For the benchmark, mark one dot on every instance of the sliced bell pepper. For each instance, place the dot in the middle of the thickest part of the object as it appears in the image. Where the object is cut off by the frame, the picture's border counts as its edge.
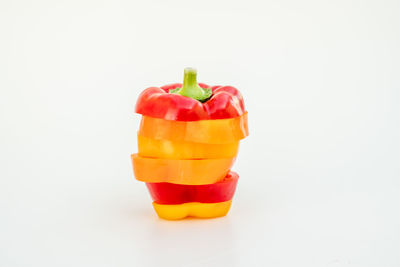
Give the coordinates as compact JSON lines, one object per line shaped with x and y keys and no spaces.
{"x":181,"y":171}
{"x":192,"y":209}
{"x":188,"y":140}
{"x":163,"y":148}
{"x":167,"y":193}
{"x":224,"y":131}
{"x":183,"y":102}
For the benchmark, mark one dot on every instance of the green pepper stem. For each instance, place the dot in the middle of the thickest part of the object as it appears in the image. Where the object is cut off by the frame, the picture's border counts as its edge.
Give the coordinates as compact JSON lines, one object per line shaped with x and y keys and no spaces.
{"x":189,"y":81}
{"x":191,"y":89}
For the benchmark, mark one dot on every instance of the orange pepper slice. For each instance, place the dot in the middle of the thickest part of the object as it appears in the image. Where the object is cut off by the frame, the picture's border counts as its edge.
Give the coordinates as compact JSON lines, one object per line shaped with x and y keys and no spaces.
{"x":162,"y":148}
{"x":192,"y":209}
{"x":223,"y":131}
{"x":181,"y":171}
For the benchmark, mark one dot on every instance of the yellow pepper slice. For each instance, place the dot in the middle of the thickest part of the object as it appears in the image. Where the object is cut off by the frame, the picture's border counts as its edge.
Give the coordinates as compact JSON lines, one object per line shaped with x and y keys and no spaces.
{"x":180,"y":171}
{"x":192,"y":209}
{"x":222,"y":131}
{"x":162,"y":148}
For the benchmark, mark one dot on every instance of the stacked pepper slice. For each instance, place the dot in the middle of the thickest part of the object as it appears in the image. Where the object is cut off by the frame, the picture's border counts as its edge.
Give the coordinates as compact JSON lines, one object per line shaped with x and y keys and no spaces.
{"x":187,"y":143}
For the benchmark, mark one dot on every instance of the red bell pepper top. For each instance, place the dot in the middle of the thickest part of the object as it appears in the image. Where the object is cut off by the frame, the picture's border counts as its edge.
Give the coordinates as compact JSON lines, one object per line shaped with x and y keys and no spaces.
{"x":159,"y":102}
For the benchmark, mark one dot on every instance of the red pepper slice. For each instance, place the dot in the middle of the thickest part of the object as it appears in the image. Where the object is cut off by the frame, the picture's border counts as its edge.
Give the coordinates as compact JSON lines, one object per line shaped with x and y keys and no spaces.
{"x":167,"y":193}
{"x":225,"y":102}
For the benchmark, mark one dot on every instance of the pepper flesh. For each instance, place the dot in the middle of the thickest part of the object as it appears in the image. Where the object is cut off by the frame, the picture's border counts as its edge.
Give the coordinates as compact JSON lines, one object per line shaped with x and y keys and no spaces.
{"x":167,"y":193}
{"x":192,"y":209}
{"x":162,"y":148}
{"x":222,"y":131}
{"x":181,"y":171}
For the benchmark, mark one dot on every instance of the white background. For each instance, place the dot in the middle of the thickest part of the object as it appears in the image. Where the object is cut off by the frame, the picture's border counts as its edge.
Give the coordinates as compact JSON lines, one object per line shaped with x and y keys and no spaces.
{"x":320,"y":175}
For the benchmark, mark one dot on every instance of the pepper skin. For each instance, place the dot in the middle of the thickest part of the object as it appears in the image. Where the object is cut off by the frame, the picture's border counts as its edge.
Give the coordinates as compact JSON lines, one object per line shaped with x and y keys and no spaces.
{"x":223,"y":131}
{"x":181,"y":171}
{"x":160,"y":102}
{"x":167,"y":193}
{"x":162,"y":148}
{"x":192,"y":209}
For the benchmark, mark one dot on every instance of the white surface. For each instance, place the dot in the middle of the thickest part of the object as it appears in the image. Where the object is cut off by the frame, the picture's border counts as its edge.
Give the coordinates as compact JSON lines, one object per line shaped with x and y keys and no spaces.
{"x":319,"y":173}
